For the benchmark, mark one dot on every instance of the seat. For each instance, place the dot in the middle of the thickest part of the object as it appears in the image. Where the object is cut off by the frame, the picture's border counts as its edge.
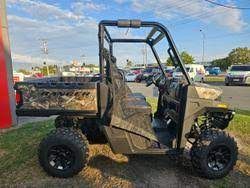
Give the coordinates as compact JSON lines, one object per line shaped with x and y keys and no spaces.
{"x":137,"y":96}
{"x":133,"y":103}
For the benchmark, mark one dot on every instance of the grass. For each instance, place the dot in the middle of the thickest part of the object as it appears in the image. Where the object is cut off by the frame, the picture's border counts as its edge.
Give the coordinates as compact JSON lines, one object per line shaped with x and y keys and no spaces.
{"x":19,"y":146}
{"x":241,"y":123}
{"x":214,"y":79}
{"x":240,"y":128}
{"x":19,"y":163}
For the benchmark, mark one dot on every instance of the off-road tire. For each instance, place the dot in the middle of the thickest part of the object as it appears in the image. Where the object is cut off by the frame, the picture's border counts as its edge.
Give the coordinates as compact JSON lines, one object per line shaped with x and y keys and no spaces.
{"x":204,"y":144}
{"x":69,"y":138}
{"x":64,"y":121}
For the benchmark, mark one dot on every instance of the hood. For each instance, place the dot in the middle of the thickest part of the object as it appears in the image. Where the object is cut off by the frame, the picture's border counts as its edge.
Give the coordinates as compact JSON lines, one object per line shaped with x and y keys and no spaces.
{"x":206,"y":91}
{"x":177,"y":74}
{"x":238,"y":73}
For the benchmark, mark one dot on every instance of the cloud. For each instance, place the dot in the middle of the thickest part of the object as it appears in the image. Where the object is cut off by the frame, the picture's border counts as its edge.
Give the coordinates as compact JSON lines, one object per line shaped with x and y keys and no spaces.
{"x":20,"y":58}
{"x":65,"y":42}
{"x":69,"y":34}
{"x":121,"y":1}
{"x":186,"y":10}
{"x":79,"y":7}
{"x":41,"y":10}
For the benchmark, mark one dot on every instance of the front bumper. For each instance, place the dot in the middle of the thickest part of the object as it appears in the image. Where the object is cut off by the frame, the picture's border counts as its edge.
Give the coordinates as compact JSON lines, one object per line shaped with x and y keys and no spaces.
{"x":238,"y":80}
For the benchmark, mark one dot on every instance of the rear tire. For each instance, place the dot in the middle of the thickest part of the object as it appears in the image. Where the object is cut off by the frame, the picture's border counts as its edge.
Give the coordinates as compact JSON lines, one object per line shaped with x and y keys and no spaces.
{"x":65,"y":121}
{"x":64,"y":152}
{"x":214,"y":154}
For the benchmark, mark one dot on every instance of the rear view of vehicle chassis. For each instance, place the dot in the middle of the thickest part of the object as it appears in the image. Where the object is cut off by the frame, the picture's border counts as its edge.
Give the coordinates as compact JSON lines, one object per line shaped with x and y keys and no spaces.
{"x":104,"y":110}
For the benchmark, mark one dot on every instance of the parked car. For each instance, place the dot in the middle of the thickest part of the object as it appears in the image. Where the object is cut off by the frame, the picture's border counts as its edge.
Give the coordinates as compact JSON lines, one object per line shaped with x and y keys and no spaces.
{"x":18,"y":77}
{"x":196,"y":72}
{"x":169,"y":71}
{"x":130,"y":77}
{"x":38,"y":75}
{"x":66,"y":74}
{"x":149,"y":71}
{"x":206,"y":72}
{"x":238,"y":74}
{"x":139,"y":77}
{"x":136,"y":70}
{"x":214,"y":70}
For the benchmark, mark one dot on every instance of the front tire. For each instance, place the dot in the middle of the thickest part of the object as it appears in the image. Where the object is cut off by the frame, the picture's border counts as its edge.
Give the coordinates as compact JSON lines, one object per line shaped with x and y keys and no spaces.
{"x":63,"y":153}
{"x":214,"y":154}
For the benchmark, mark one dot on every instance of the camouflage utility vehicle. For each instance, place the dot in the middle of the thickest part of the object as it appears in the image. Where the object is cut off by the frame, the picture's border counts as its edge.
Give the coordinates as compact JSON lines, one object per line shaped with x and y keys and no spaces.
{"x":104,"y":110}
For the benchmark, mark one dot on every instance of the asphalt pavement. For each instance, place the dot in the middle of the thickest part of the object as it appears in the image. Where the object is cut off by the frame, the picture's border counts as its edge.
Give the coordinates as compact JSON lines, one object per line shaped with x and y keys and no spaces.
{"x":237,"y":96}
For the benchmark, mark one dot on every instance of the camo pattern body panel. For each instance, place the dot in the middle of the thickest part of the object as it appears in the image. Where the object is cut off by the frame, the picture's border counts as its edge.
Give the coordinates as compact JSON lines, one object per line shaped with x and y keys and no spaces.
{"x":58,"y":98}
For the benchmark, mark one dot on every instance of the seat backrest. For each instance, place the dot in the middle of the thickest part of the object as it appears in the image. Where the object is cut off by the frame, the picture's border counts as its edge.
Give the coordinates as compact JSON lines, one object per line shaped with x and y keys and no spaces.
{"x":114,"y":76}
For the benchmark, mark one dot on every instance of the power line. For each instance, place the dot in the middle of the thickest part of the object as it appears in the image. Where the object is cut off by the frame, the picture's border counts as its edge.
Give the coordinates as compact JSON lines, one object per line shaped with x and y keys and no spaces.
{"x":227,"y":6}
{"x":198,"y":16}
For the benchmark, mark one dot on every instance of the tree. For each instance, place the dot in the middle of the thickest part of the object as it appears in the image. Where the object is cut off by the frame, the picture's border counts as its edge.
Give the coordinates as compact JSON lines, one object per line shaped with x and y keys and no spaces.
{"x":223,"y":63}
{"x":52,"y":70}
{"x":186,"y":58}
{"x":239,"y":56}
{"x":169,"y":62}
{"x":129,"y":63}
{"x":24,"y":71}
{"x":90,"y":65}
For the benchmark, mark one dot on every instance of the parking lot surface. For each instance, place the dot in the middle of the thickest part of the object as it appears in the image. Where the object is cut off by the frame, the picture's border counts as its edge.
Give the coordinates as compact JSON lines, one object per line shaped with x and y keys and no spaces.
{"x":237,"y":96}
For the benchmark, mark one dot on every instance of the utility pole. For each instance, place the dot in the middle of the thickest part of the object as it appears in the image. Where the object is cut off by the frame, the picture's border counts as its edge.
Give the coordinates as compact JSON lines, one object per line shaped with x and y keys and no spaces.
{"x":144,"y":55}
{"x":203,"y":45}
{"x":45,"y":51}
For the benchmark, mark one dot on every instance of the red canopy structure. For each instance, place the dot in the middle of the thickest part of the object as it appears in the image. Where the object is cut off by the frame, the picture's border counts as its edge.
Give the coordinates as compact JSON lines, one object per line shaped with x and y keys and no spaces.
{"x":7,"y":95}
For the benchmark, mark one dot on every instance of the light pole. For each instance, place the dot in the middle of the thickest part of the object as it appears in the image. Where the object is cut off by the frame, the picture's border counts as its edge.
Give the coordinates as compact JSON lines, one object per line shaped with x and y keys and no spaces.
{"x":203,"y":45}
{"x":46,"y":53}
{"x":83,"y":56}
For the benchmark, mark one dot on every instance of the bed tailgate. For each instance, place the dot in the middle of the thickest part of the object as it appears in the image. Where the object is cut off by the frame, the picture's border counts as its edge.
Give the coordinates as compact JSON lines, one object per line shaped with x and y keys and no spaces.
{"x":45,"y":99}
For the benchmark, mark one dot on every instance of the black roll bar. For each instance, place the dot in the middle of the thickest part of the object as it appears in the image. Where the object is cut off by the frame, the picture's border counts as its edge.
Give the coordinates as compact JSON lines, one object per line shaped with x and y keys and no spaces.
{"x":102,"y":32}
{"x":129,"y":40}
{"x":151,"y":33}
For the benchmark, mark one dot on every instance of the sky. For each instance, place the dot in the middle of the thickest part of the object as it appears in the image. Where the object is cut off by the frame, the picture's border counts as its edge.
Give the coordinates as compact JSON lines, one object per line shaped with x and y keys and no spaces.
{"x":70,"y":28}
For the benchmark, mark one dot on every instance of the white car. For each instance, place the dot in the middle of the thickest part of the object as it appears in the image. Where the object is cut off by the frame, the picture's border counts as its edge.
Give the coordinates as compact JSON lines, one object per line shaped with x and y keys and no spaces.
{"x":196,"y":72}
{"x":130,"y":77}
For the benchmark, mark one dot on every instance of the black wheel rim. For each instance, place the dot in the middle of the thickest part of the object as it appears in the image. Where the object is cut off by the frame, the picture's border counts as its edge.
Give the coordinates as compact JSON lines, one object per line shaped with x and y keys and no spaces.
{"x":61,"y":157}
{"x":219,"y":158}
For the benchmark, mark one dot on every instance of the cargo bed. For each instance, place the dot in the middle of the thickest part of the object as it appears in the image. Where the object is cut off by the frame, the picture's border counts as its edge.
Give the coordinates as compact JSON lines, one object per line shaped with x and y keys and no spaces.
{"x":58,"y":96}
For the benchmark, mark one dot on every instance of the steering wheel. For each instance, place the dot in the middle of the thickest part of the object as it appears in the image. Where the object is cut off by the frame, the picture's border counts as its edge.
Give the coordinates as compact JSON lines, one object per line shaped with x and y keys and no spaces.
{"x":153,"y":79}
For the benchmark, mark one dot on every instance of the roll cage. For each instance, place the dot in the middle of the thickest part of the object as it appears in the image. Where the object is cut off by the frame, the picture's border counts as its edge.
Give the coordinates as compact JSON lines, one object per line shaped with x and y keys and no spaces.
{"x":103,"y":34}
